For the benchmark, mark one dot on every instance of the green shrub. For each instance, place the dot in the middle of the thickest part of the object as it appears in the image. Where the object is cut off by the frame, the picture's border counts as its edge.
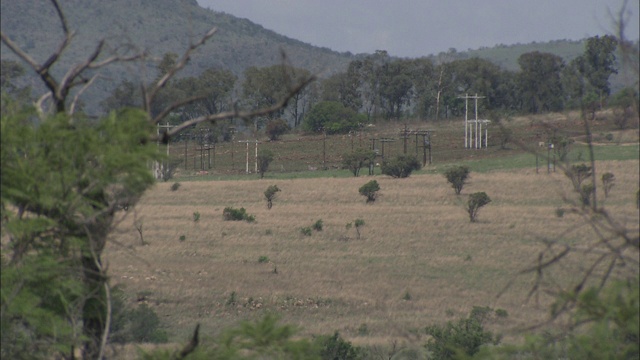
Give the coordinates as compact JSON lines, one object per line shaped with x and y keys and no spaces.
{"x":370,"y":190}
{"x":144,"y":326}
{"x":335,"y":347}
{"x":502,"y":313}
{"x":354,"y":161}
{"x":465,"y":336}
{"x":265,"y":157}
{"x":332,"y":117}
{"x":263,"y":259}
{"x":401,"y":166}
{"x":317,"y":226}
{"x":196,"y":216}
{"x":270,"y":194}
{"x":231,"y":214}
{"x":457,"y":177}
{"x":608,"y":180}
{"x":476,"y":201}
{"x":305,"y":231}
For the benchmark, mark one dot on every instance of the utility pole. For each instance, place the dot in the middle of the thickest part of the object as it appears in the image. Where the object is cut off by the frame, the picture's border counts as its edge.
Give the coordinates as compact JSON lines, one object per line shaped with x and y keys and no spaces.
{"x":469,"y":133}
{"x":247,"y":153}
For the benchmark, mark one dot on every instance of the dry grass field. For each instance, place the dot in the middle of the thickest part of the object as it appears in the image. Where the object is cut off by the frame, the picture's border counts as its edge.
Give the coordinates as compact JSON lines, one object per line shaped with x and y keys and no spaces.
{"x":419,"y":261}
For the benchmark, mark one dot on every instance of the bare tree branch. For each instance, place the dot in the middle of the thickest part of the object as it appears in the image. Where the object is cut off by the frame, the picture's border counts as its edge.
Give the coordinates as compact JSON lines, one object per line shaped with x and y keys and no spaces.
{"x":150,"y":95}
{"x":72,"y":107}
{"x":191,"y":346}
{"x":239,"y":114}
{"x":176,"y":105}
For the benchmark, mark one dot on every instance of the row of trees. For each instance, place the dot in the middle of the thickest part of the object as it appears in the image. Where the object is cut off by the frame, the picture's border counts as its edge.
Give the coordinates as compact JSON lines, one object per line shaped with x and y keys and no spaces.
{"x":381,"y":87}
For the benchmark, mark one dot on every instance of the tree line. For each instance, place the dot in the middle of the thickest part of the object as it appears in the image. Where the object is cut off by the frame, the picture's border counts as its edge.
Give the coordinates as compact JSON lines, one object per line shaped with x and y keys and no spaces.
{"x":379,"y":87}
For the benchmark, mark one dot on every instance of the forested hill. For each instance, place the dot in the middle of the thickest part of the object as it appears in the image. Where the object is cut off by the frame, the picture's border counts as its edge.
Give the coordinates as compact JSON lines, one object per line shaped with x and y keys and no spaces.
{"x":160,"y":26}
{"x":157,"y":26}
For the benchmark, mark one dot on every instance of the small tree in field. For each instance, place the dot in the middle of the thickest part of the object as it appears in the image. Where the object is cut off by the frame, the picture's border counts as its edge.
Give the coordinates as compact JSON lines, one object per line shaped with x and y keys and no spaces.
{"x":270,"y":194}
{"x":608,"y":180}
{"x":476,"y":201}
{"x":578,"y":174}
{"x":370,"y":190}
{"x":358,"y":223}
{"x":354,"y":161}
{"x":457,"y":177}
{"x":264,"y":159}
{"x":400,"y":167}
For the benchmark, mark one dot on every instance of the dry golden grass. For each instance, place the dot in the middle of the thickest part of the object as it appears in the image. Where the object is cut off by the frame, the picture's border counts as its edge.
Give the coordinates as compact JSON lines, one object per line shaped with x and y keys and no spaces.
{"x":417,"y":240}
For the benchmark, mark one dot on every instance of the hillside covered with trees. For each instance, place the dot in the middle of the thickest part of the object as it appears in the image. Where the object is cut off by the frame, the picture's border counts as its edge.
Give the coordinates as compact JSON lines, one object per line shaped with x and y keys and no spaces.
{"x":384,"y":90}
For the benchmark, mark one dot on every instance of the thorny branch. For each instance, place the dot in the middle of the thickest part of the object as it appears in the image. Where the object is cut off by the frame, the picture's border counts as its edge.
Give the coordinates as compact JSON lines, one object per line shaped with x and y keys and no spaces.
{"x":614,"y":247}
{"x":60,"y":90}
{"x":236,"y":113}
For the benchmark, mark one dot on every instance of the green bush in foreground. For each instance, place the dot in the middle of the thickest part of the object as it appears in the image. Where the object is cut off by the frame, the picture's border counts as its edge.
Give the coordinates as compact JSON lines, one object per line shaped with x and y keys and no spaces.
{"x":463,"y":337}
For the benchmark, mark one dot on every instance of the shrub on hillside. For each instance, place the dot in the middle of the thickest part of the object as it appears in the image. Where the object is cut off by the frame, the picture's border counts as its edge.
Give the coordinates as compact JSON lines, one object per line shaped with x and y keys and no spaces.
{"x":457,"y":177}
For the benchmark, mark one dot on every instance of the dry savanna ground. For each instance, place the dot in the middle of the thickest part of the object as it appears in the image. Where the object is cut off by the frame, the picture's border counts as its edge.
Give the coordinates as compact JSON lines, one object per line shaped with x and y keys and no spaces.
{"x":419,"y":261}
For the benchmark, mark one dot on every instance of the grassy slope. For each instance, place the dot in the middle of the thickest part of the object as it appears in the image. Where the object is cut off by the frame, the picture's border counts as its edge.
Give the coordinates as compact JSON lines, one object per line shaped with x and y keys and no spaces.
{"x":417,"y":240}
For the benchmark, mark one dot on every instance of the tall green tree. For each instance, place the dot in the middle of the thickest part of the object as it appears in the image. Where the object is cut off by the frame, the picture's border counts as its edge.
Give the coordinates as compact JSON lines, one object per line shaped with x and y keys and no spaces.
{"x":539,"y":82}
{"x":64,"y":180}
{"x":370,"y":82}
{"x":395,"y":88}
{"x":598,"y":63}
{"x":333,"y":118}
{"x":424,"y":87}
